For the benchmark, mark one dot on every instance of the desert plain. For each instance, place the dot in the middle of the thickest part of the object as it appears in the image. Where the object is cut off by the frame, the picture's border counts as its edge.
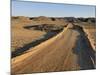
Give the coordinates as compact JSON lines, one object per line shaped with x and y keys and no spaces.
{"x":48,"y":44}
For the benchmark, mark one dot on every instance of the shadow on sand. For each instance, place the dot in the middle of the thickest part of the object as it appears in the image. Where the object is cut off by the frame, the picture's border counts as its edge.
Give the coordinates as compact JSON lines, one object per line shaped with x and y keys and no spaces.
{"x":84,"y":51}
{"x":26,"y":47}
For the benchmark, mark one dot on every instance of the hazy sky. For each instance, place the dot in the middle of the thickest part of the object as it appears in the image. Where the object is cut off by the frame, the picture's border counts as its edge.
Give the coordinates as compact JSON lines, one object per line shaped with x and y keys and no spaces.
{"x":26,"y":8}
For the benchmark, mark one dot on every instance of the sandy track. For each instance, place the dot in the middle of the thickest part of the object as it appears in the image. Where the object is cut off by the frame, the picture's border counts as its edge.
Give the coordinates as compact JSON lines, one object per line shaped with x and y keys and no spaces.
{"x":55,"y":54}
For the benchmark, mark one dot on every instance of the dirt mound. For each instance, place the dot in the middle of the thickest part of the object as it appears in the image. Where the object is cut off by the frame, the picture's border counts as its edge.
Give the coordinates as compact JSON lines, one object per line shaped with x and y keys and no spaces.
{"x":20,"y":18}
{"x":42,"y":18}
{"x":48,"y":20}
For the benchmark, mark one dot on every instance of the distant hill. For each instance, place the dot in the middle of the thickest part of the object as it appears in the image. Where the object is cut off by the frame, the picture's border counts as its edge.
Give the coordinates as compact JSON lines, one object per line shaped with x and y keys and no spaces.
{"x":54,"y":20}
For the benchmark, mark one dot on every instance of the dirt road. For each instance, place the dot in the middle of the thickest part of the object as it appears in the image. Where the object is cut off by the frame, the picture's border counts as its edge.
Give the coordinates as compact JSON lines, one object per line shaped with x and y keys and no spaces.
{"x":59,"y":53}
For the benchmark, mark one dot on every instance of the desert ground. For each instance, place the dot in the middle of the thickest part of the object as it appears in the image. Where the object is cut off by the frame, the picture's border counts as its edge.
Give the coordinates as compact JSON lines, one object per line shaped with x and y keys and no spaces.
{"x":42,"y":44}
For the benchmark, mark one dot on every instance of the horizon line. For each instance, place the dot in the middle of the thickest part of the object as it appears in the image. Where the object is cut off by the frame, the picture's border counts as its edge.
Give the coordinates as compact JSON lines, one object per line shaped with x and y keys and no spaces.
{"x":52,"y":16}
